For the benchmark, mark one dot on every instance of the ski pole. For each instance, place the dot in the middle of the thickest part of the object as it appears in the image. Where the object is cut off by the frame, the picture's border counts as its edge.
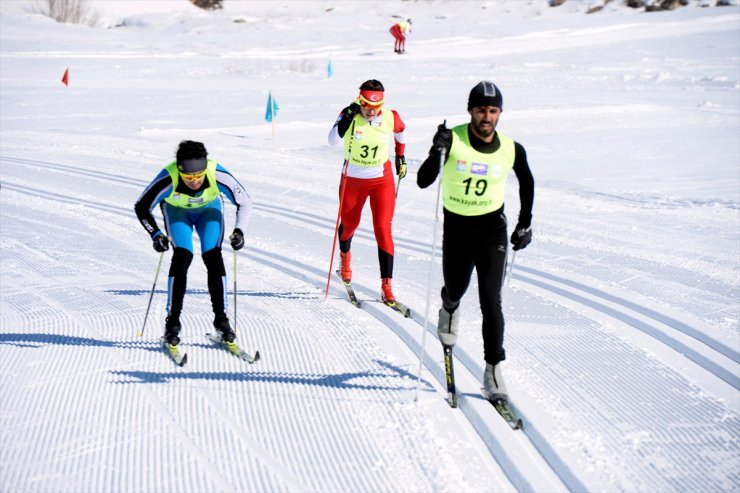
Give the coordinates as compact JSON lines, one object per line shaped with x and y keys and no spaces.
{"x":342,"y":187}
{"x":507,"y":280}
{"x":398,"y":186}
{"x":234,"y":291}
{"x":151,"y":295}
{"x":431,"y":267}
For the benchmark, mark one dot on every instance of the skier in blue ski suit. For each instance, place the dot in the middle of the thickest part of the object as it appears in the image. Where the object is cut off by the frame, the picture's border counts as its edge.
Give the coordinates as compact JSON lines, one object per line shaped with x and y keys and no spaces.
{"x":190,"y":193}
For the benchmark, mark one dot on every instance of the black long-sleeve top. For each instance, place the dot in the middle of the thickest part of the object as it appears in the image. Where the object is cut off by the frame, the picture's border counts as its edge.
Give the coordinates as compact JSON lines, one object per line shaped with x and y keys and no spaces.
{"x":429,"y":171}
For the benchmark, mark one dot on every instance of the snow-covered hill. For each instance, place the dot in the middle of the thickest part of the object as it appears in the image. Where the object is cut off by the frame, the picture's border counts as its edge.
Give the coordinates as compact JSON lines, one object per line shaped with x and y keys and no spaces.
{"x":623,"y":332}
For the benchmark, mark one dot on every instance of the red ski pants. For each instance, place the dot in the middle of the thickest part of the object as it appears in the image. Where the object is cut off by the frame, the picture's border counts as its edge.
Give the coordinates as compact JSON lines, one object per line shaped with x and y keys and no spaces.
{"x":382,"y":194}
{"x":400,"y":38}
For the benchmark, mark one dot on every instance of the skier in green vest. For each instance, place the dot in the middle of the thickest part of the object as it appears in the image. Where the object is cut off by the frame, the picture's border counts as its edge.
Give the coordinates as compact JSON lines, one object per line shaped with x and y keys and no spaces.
{"x":366,"y":128}
{"x":477,"y":161}
{"x":189,"y":191}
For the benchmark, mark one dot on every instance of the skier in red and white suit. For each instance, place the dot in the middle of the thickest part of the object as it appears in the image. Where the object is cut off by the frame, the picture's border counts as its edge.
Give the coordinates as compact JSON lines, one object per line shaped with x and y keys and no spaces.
{"x":399,"y":31}
{"x":365,"y":128}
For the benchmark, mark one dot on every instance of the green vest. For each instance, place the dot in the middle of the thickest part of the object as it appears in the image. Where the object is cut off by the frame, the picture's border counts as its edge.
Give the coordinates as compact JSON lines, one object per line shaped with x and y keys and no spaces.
{"x":367,"y":147}
{"x":474,"y":182}
{"x":186,"y":201}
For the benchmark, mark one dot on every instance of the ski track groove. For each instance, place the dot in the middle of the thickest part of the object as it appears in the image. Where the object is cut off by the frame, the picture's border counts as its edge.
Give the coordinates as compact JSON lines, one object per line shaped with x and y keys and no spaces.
{"x":322,"y":390}
{"x":77,"y":433}
{"x":295,"y":399}
{"x":412,"y":245}
{"x":594,"y":342}
{"x":677,"y":433}
{"x":513,"y":466}
{"x":669,"y":321}
{"x":78,"y":305}
{"x":478,"y":427}
{"x":599,"y":355}
{"x":303,"y":217}
{"x":623,"y":305}
{"x":623,"y":312}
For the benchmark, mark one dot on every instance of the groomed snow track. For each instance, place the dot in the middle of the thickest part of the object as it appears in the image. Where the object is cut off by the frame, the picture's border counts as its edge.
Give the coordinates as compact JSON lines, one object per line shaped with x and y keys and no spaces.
{"x":528,"y":459}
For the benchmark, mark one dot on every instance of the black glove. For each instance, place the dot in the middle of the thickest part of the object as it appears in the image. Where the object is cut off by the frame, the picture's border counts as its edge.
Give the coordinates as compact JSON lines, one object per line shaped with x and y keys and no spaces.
{"x":348,"y":114}
{"x":401,"y":166}
{"x":442,"y":139}
{"x":237,"y":239}
{"x":521,"y":237}
{"x":351,"y":110}
{"x":160,"y":242}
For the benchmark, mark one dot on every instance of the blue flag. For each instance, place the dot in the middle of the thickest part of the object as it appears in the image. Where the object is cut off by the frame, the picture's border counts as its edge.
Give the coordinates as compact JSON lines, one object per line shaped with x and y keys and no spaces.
{"x":272,"y":108}
{"x":329,"y":70}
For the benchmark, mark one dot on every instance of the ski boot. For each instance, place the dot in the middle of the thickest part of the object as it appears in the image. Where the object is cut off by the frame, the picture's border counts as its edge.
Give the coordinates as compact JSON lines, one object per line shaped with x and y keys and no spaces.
{"x":493,"y":383}
{"x":447,"y":327}
{"x":172,"y":330}
{"x":387,"y":291}
{"x":221,"y":323}
{"x":345,"y":271}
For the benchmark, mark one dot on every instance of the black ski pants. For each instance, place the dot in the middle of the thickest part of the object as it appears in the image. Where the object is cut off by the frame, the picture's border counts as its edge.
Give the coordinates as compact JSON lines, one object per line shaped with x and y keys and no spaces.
{"x":478,"y":242}
{"x":178,"y":280}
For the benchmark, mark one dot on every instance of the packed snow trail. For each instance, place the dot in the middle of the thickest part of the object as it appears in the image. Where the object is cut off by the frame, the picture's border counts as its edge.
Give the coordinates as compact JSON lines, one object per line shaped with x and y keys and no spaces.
{"x":294,"y":226}
{"x":324,"y":396}
{"x":622,"y":316}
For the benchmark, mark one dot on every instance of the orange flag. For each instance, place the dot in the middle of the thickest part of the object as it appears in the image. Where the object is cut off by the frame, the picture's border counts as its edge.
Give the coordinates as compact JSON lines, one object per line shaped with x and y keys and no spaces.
{"x":65,"y":78}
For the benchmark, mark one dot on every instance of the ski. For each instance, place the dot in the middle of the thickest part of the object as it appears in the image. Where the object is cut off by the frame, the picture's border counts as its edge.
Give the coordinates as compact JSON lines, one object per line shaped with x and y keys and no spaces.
{"x":503,"y":407}
{"x":350,"y":291}
{"x":399,"y":307}
{"x":234,"y":348}
{"x":450,"y":377}
{"x":174,"y":353}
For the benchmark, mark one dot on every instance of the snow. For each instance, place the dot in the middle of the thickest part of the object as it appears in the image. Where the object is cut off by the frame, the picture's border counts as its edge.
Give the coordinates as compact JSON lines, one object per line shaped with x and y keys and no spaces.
{"x":623,"y":332}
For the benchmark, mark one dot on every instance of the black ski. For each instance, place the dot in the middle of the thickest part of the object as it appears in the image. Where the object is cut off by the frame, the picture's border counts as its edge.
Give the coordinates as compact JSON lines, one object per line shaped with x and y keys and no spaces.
{"x":234,"y":348}
{"x":350,"y":291}
{"x":174,"y":353}
{"x":503,"y":407}
{"x":450,"y":377}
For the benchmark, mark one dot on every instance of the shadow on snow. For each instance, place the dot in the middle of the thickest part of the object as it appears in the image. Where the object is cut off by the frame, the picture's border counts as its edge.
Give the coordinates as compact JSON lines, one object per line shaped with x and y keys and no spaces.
{"x":288,"y":295}
{"x":38,"y":340}
{"x":344,"y":380}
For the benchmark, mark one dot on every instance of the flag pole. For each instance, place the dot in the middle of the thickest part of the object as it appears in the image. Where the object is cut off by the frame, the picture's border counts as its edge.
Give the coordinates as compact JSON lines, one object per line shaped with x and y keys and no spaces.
{"x":272,"y":110}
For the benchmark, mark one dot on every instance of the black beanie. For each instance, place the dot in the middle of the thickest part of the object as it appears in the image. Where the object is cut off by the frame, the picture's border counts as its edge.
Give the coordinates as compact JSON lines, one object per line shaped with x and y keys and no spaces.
{"x":485,"y":94}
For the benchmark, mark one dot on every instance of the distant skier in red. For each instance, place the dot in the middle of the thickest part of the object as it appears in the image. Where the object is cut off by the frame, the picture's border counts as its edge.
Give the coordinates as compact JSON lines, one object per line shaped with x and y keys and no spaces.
{"x":399,"y":32}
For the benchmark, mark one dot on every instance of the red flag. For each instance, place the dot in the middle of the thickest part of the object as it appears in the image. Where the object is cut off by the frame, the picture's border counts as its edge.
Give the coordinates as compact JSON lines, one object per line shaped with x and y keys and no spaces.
{"x":65,"y":79}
